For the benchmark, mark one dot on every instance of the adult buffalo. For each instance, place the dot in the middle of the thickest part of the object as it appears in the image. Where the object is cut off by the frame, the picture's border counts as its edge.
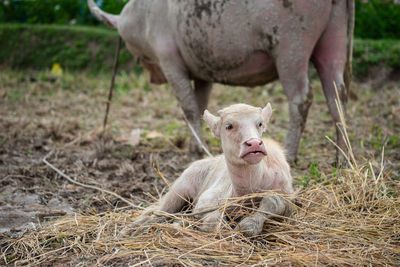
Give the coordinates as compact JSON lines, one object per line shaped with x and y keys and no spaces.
{"x":242,"y":42}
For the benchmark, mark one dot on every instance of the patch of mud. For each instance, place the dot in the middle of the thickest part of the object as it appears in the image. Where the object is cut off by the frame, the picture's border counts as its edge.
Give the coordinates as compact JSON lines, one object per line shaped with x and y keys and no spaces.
{"x":31,"y":193}
{"x":21,"y":211}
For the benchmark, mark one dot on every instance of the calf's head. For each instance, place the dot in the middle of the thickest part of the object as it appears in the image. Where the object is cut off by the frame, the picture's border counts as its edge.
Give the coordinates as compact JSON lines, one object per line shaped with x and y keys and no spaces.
{"x":240,"y":128}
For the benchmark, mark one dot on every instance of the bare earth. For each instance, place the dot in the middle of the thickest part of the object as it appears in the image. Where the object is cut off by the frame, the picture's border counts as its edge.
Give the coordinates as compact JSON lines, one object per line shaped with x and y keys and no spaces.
{"x":61,"y":118}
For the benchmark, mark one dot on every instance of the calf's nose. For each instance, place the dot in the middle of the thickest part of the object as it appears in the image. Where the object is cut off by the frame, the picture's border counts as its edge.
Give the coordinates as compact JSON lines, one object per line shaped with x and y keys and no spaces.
{"x":253,"y":142}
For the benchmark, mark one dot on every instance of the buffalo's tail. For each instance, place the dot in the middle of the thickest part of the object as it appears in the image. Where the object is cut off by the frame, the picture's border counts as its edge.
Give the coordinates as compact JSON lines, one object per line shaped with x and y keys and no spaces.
{"x":348,"y":73}
{"x":108,"y":19}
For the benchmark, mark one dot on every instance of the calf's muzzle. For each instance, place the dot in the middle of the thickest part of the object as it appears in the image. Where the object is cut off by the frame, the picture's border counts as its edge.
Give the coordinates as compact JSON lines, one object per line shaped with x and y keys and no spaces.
{"x":253,"y":150}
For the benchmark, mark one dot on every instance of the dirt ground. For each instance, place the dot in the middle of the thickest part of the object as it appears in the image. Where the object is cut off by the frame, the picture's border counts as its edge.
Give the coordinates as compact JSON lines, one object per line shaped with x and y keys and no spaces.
{"x":60,"y":118}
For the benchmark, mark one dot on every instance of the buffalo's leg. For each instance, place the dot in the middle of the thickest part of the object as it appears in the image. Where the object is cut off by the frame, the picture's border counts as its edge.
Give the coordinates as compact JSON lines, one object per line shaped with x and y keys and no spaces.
{"x":293,"y":75}
{"x":178,"y":77}
{"x":202,"y":90}
{"x":329,"y":58}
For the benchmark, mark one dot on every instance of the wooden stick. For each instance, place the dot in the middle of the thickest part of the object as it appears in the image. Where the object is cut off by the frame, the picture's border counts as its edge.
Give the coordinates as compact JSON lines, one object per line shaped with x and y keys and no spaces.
{"x":110,"y":93}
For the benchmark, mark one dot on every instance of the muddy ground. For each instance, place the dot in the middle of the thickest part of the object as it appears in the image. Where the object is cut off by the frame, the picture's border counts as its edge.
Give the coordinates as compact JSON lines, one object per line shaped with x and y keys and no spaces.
{"x":60,"y":118}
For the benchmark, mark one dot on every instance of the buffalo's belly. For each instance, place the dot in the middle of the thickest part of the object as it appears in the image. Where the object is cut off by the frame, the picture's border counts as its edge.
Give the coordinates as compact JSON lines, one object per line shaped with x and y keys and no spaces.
{"x":221,"y":41}
{"x":257,"y":68}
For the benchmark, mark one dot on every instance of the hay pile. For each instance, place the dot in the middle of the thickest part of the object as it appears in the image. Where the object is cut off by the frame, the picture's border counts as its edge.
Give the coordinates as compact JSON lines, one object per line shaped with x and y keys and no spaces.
{"x":352,"y":219}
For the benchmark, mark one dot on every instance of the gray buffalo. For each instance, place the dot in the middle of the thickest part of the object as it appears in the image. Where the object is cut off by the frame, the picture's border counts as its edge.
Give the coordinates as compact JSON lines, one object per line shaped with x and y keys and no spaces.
{"x":242,"y":42}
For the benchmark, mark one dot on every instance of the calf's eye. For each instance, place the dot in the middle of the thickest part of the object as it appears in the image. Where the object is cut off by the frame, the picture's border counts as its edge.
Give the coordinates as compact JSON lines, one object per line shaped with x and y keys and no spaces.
{"x":229,"y":127}
{"x":260,"y":124}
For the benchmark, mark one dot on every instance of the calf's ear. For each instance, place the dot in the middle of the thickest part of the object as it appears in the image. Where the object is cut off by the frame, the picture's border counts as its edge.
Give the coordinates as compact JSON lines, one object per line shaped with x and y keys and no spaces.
{"x":213,"y":122}
{"x":266,"y":113}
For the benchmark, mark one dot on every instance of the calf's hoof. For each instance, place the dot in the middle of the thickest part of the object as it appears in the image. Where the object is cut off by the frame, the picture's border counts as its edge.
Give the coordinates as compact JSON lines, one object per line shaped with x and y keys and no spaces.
{"x":210,"y":227}
{"x":139,"y":225}
{"x":250,"y":226}
{"x":207,"y":228}
{"x":131,"y":230}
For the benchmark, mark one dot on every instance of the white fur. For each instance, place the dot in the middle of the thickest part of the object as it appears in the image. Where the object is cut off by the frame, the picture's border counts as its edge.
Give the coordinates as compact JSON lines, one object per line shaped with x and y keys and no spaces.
{"x":209,"y":182}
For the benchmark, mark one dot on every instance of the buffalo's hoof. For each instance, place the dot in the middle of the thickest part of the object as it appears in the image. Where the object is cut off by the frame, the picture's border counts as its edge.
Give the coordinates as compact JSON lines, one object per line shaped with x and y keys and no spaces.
{"x":195,"y":148}
{"x":341,"y":161}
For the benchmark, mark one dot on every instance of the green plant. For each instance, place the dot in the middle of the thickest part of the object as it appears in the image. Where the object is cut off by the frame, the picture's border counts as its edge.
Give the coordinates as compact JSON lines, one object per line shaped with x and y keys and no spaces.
{"x":376,"y":19}
{"x":378,"y":140}
{"x":394,"y":142}
{"x":369,"y":53}
{"x":315,"y":176}
{"x":303,"y":181}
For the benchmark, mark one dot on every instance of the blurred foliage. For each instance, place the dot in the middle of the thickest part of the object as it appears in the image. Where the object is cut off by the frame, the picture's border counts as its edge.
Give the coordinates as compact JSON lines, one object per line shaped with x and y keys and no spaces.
{"x":74,"y":48}
{"x":375,"y":19}
{"x":84,"y":48}
{"x":54,"y":11}
{"x":368,"y":53}
{"x":81,"y":47}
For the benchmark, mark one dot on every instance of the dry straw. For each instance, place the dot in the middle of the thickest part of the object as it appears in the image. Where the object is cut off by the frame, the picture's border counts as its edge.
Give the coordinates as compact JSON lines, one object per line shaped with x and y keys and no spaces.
{"x":351,"y":219}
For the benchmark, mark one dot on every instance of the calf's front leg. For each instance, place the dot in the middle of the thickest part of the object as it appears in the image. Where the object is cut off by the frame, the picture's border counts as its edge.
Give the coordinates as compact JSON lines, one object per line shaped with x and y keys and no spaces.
{"x":180,"y":193}
{"x":171,"y":202}
{"x":213,"y":221}
{"x":270,"y":205}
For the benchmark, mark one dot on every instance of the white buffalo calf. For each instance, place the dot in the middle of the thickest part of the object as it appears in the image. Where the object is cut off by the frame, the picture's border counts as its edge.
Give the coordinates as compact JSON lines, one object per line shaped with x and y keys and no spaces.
{"x":248,"y":165}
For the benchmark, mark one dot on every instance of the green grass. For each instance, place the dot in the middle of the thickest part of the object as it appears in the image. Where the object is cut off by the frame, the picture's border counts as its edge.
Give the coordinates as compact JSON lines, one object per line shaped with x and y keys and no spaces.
{"x":25,"y":46}
{"x":314,"y":176}
{"x":369,"y":53}
{"x":74,"y":48}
